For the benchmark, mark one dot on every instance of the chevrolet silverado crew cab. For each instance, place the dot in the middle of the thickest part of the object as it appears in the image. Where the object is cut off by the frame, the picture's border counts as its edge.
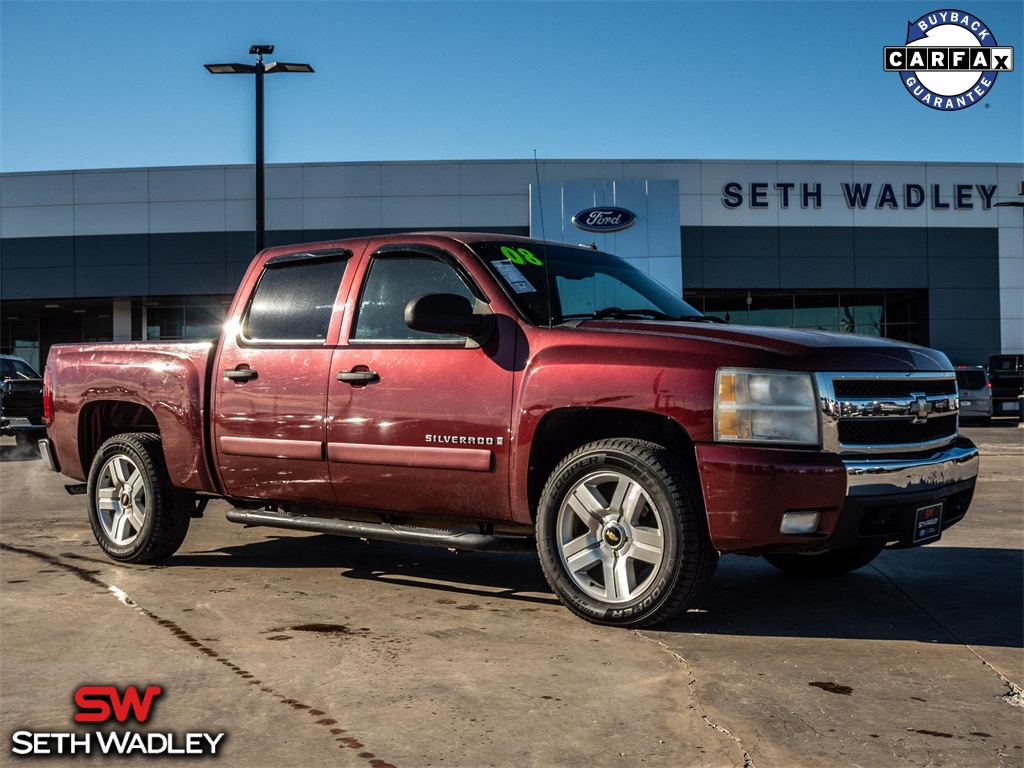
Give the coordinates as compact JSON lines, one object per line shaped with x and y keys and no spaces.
{"x":485,"y":392}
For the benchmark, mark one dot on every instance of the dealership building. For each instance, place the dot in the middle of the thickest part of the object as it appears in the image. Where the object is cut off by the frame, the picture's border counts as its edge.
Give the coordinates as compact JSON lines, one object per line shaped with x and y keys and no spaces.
{"x":911,"y":251}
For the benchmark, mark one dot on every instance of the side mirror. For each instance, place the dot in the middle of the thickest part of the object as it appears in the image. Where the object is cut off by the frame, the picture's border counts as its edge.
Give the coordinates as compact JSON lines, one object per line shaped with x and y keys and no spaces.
{"x":445,"y":313}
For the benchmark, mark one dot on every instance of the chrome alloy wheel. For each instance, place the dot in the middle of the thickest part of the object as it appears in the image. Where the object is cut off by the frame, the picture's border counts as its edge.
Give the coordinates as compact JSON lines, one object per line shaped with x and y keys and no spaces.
{"x":610,"y":536}
{"x":121,"y":500}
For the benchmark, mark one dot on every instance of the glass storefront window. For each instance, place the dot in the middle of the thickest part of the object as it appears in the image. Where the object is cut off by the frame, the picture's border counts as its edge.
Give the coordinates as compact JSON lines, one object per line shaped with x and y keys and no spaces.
{"x":192,"y":322}
{"x":97,"y":329}
{"x":817,"y":311}
{"x":203,"y":322}
{"x":165,"y":323}
{"x":773,"y":311}
{"x":863,"y":314}
{"x":897,"y":315}
{"x":21,"y":338}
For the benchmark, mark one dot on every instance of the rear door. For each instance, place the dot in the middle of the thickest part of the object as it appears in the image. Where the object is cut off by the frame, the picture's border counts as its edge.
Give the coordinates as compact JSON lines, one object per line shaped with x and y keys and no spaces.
{"x":427,"y":430}
{"x":270,"y":383}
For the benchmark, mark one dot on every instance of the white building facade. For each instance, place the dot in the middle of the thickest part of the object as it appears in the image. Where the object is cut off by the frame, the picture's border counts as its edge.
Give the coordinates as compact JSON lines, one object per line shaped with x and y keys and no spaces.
{"x":915,"y":251}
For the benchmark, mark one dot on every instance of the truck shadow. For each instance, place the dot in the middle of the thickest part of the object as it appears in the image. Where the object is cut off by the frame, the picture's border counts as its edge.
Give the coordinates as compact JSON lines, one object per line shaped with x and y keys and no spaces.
{"x":513,"y":577}
{"x":950,"y":595}
{"x":932,"y":594}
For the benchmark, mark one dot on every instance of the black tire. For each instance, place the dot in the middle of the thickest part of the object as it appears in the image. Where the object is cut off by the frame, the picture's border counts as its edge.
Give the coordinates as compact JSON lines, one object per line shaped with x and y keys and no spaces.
{"x":135,"y":518}
{"x":835,"y":562}
{"x":652,"y":556}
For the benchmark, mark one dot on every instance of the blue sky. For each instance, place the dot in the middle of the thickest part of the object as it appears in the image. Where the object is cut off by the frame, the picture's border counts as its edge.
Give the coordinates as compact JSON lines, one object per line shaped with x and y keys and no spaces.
{"x":122,"y":84}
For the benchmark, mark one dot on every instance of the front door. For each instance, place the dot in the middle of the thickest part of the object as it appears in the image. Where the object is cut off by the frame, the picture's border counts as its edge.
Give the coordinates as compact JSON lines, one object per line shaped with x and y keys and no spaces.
{"x":420,"y":423}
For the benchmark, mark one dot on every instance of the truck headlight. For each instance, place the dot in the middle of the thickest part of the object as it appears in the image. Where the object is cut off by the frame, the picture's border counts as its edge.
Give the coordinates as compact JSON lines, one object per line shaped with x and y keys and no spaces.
{"x":765,"y":407}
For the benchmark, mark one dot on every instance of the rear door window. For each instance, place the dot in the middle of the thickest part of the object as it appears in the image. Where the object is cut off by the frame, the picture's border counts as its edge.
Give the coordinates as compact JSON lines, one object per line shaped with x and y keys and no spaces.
{"x":294,"y":299}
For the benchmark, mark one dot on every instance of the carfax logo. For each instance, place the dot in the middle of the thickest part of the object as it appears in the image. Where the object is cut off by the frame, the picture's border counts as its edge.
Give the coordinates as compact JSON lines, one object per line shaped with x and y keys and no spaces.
{"x":950,"y":60}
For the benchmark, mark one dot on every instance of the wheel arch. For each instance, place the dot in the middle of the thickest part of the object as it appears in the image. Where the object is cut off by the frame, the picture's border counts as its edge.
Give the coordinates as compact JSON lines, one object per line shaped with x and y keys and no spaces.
{"x":101,"y":420}
{"x":561,"y":431}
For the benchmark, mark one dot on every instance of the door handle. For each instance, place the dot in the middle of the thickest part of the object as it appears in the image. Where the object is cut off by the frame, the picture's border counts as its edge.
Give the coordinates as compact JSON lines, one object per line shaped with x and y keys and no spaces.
{"x":241,"y":375}
{"x":359,"y":378}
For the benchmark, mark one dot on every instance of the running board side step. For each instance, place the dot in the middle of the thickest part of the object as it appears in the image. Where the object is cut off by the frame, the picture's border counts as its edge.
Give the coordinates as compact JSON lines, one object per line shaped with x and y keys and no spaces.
{"x":465,"y":540}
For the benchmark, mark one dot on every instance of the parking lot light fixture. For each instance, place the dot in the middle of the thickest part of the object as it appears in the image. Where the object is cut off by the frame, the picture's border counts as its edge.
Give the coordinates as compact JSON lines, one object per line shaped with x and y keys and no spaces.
{"x":259,"y":69}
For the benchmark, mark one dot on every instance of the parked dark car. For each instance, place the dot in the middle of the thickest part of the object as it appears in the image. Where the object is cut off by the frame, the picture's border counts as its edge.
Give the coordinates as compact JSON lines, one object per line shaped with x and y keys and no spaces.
{"x":975,"y":393}
{"x":1006,"y":373}
{"x":21,"y":401}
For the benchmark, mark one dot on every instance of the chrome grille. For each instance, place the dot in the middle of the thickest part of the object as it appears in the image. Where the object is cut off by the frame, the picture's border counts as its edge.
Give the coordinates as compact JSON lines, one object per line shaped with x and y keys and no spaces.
{"x":887,"y":413}
{"x":859,"y":388}
{"x":895,"y":431}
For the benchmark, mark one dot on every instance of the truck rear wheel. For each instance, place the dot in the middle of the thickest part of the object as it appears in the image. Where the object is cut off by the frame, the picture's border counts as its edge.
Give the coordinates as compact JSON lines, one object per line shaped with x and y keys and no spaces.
{"x":622,"y":536}
{"x":835,"y":562}
{"x":136,"y":515}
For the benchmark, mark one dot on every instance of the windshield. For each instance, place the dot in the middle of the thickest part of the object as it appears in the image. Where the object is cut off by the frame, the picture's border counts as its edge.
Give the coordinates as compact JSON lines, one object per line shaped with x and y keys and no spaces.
{"x":578,"y":283}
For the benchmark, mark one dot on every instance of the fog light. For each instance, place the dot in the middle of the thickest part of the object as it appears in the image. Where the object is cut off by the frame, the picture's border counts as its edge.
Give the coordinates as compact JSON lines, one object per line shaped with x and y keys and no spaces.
{"x":799,"y":523}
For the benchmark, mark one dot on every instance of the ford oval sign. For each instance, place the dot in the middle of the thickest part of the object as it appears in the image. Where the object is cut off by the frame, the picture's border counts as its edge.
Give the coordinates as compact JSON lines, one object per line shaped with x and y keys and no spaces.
{"x":604,"y":219}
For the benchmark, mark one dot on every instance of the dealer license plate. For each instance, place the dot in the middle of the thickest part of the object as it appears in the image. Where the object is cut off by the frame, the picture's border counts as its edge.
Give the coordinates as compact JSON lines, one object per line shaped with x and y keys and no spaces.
{"x":928,"y":523}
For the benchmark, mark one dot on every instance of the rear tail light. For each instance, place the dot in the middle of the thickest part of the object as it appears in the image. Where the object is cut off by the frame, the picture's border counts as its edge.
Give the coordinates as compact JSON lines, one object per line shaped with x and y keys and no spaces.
{"x":47,"y":398}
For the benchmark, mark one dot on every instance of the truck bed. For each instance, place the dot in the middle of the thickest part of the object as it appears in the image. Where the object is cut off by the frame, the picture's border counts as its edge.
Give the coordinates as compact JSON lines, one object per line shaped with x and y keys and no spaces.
{"x":101,"y":389}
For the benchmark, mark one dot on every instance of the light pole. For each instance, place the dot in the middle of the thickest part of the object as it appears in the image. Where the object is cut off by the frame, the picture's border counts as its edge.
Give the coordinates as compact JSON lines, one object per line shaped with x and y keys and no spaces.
{"x":259,"y":69}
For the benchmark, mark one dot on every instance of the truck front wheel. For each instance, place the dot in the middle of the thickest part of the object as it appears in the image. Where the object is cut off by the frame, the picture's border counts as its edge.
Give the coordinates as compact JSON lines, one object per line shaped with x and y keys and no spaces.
{"x":621,"y":534}
{"x":835,"y":562}
{"x":136,"y":515}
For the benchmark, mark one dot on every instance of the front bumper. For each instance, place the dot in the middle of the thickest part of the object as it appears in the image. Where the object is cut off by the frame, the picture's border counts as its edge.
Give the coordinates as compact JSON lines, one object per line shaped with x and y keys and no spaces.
{"x":747,"y":490}
{"x":878,"y":477}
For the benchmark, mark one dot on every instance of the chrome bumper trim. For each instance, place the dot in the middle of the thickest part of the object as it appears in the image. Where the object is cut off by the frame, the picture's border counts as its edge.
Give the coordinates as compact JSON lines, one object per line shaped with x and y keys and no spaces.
{"x":875,"y":477}
{"x":47,"y":453}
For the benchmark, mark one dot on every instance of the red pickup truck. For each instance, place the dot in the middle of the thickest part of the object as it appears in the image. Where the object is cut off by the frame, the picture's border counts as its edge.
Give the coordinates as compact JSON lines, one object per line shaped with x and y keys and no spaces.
{"x":494,"y":393}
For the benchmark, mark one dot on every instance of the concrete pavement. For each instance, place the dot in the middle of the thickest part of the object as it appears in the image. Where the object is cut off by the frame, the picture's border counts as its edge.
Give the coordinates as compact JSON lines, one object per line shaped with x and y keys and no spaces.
{"x":318,"y":650}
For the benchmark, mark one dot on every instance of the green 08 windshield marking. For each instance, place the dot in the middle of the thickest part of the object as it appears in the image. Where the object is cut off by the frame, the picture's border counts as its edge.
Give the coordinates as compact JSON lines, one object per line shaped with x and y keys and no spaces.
{"x":520,"y":256}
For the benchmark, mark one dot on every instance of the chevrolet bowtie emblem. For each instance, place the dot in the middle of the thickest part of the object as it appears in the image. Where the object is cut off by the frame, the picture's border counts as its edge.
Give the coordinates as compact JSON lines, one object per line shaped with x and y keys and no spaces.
{"x":920,"y":408}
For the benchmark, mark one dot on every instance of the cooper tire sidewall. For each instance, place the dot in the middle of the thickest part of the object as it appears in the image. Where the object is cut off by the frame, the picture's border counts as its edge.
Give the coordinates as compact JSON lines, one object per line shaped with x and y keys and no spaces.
{"x":650,"y":600}
{"x":153,"y":499}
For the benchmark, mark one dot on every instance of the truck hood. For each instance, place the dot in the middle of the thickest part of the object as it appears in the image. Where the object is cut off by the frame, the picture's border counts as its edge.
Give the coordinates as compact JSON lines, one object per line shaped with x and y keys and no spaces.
{"x":805,"y":350}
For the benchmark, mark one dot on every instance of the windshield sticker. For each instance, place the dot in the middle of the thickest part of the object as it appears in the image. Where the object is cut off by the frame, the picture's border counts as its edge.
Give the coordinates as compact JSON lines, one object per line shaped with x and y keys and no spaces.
{"x":513,"y":277}
{"x":520,"y":256}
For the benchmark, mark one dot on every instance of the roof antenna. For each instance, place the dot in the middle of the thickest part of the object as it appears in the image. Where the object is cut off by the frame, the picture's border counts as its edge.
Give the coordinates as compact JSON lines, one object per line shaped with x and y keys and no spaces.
{"x":544,"y":240}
